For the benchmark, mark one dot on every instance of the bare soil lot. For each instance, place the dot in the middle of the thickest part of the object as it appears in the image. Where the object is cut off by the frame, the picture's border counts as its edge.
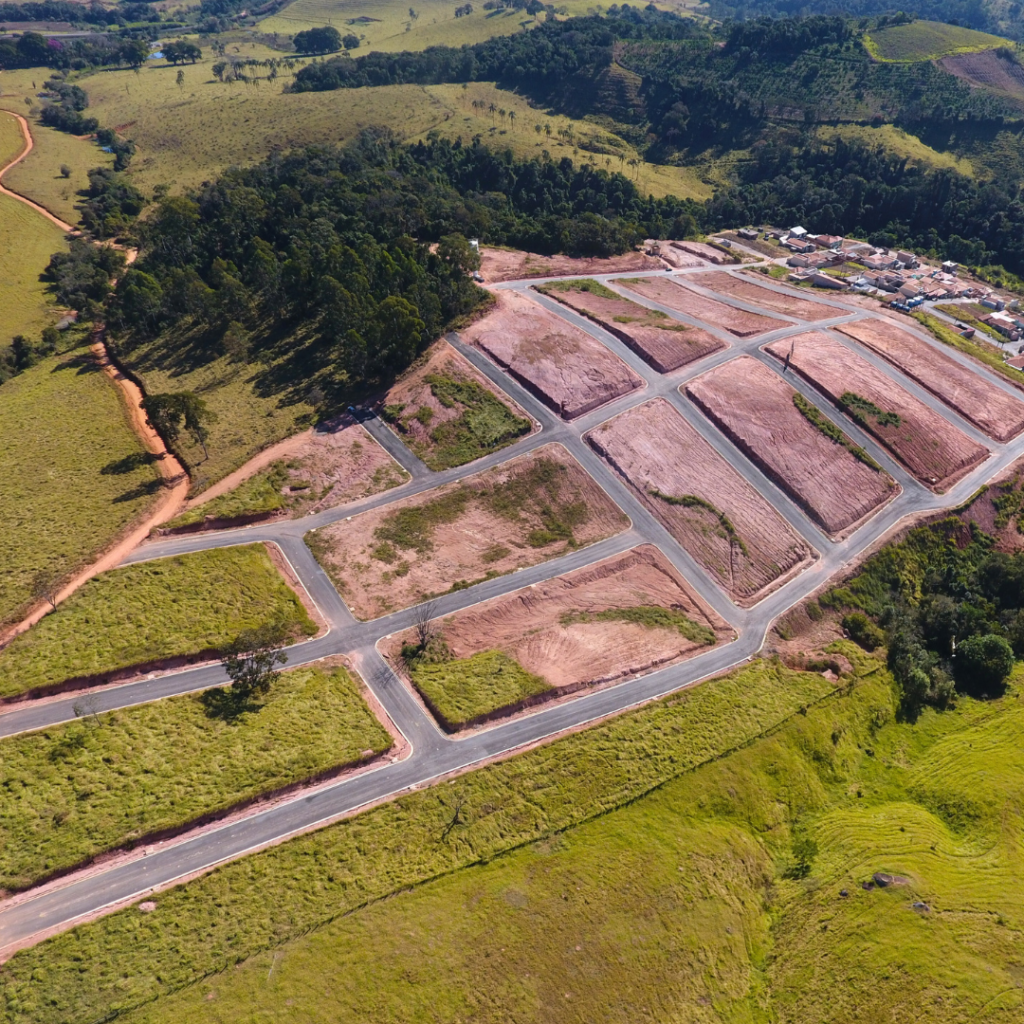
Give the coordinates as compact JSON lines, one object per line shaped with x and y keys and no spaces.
{"x":566,"y":629}
{"x":704,"y":252}
{"x":498,"y":265}
{"x":989,"y":408}
{"x":563,"y":366}
{"x":450,"y":414}
{"x":661,"y":341}
{"x":779,"y":302}
{"x":721,"y":520}
{"x":525,"y":511}
{"x":755,"y":408}
{"x":932,"y":449}
{"x":673,"y":294}
{"x":988,"y":69}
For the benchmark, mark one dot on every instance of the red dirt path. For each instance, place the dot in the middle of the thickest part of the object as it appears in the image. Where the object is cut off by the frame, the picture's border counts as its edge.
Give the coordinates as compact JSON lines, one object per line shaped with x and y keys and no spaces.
{"x":654,"y":449}
{"x":673,"y":294}
{"x":754,"y":408}
{"x":664,"y":343}
{"x":989,"y":408}
{"x":931,"y":448}
{"x":565,"y":367}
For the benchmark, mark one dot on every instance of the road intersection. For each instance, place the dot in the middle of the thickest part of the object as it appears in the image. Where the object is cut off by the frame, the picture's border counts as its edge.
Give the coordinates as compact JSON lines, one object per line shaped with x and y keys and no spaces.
{"x":433,"y":754}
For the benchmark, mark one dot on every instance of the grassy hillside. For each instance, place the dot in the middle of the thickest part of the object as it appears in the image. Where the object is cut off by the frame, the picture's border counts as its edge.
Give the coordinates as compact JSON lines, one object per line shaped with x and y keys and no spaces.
{"x":77,"y":475}
{"x":68,"y":795}
{"x":926,"y":40}
{"x":161,"y":609}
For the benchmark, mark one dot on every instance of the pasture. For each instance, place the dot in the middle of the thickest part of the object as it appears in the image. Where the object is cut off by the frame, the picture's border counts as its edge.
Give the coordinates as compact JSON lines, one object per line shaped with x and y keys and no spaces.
{"x":926,"y":40}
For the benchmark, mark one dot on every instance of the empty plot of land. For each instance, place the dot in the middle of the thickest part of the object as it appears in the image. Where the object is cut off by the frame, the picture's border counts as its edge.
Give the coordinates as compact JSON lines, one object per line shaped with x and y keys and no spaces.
{"x":721,"y":520}
{"x":763,"y":416}
{"x":618,"y":618}
{"x":450,"y":414}
{"x":525,"y":511}
{"x":681,"y":299}
{"x":661,"y":341}
{"x":704,"y":252}
{"x":779,"y":302}
{"x":989,"y":408}
{"x":512,"y":265}
{"x":989,"y":69}
{"x":932,"y":449}
{"x":564,"y":366}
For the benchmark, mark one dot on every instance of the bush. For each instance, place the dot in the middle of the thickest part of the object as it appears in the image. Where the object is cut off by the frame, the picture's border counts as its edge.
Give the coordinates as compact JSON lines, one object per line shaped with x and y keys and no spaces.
{"x":982,"y":664}
{"x":862,"y":631}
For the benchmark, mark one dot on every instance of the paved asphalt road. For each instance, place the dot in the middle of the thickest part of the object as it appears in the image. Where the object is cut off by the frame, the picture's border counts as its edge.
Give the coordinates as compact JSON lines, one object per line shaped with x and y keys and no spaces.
{"x":434,"y":754}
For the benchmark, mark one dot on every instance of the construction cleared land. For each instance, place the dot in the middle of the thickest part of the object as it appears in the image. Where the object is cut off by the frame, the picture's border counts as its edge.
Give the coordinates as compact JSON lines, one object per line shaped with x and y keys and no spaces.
{"x":680,"y":299}
{"x":498,"y":265}
{"x":562,"y":365}
{"x":333,"y":464}
{"x":931,"y":448}
{"x":449,"y":414}
{"x":990,"y":408}
{"x":786,"y":303}
{"x":613,"y":620}
{"x":721,"y":520}
{"x":664,"y":343}
{"x":806,"y":454}
{"x":520,"y":513}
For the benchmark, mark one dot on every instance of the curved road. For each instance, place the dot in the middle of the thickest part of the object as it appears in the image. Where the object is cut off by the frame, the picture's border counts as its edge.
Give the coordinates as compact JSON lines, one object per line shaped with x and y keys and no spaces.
{"x":432,"y":753}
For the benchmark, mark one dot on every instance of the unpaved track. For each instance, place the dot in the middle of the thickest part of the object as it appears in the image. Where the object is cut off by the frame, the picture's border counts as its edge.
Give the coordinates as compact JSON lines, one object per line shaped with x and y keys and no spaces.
{"x":29,"y":144}
{"x":58,"y":906}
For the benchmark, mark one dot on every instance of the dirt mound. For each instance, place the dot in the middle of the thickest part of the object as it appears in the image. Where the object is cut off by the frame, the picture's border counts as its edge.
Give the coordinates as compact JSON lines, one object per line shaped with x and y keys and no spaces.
{"x":522,"y":512}
{"x":755,"y":408}
{"x":512,"y":265}
{"x":988,"y":69}
{"x":930,"y":447}
{"x":989,"y":408}
{"x":664,"y":343}
{"x":676,"y":296}
{"x":564,"y":366}
{"x":721,"y":520}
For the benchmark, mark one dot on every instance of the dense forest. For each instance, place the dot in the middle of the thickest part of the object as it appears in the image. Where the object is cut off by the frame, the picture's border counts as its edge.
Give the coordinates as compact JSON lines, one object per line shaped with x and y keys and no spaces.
{"x":328,"y":252}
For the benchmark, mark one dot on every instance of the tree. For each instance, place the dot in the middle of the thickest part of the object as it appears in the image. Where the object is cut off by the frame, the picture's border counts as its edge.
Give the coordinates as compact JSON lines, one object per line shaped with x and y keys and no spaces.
{"x":169,"y":412}
{"x":65,"y":171}
{"x":350,"y":41}
{"x":251,"y":660}
{"x":133,"y":52}
{"x":181,"y":51}
{"x":33,"y":48}
{"x":45,"y":587}
{"x":983,"y":663}
{"x":318,"y":40}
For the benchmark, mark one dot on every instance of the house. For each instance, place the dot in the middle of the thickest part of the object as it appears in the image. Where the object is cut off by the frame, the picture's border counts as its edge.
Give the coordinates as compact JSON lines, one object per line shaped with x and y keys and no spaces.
{"x":1004,"y":324}
{"x":908,"y":259}
{"x":950,"y":267}
{"x":798,"y":245}
{"x":877,"y":262}
{"x":910,"y":289}
{"x":827,"y":241}
{"x":820,"y":280}
{"x":993,"y":302}
{"x":748,"y":233}
{"x":798,"y":260}
{"x":797,"y":232}
{"x":1017,"y":362}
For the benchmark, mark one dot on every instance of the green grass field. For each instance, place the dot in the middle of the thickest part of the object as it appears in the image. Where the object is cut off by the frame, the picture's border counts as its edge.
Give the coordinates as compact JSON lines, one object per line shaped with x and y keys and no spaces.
{"x":927,"y":40}
{"x":76,"y":790}
{"x":75,"y":479}
{"x":902,"y":143}
{"x":256,"y":904}
{"x":247,"y":422}
{"x":466,"y":689}
{"x":260,"y":493}
{"x":166,"y":608}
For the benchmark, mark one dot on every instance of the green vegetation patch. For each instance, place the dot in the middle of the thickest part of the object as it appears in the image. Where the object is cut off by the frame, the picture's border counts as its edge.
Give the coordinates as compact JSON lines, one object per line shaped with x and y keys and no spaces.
{"x":141,"y":613}
{"x":413,"y":528}
{"x":76,"y":790}
{"x":1009,"y":505}
{"x":984,"y":352}
{"x":581,"y":285}
{"x":73,"y":474}
{"x":257,"y":495}
{"x":463,"y":690}
{"x":485,"y":424}
{"x":863,"y":411}
{"x":257,"y":903}
{"x":651,"y":617}
{"x":694,"y":501}
{"x":927,"y":40}
{"x":970,"y":315}
{"x":814,"y":415}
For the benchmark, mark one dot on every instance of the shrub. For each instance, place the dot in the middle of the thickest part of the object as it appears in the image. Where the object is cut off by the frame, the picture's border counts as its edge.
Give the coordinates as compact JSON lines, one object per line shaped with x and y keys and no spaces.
{"x":863,"y":631}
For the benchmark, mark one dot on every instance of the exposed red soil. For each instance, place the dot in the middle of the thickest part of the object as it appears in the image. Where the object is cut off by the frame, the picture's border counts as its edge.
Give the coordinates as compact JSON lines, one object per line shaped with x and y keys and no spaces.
{"x":528,"y":625}
{"x":931,"y":448}
{"x":704,"y":252}
{"x":673,"y":294}
{"x":480,"y":543}
{"x":664,"y":343}
{"x":675,"y":258}
{"x":754,"y":407}
{"x":982,"y":511}
{"x":987,"y":69}
{"x":779,"y":302}
{"x":655,"y":450}
{"x":562,"y":365}
{"x":989,"y":408}
{"x":498,"y":265}
{"x":414,"y":393}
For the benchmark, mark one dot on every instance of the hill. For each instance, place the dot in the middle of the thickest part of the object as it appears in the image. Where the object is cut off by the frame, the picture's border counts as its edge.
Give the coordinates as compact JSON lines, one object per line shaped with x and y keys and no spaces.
{"x":926,"y":40}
